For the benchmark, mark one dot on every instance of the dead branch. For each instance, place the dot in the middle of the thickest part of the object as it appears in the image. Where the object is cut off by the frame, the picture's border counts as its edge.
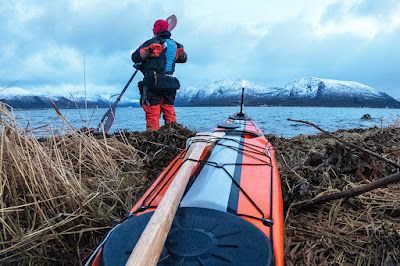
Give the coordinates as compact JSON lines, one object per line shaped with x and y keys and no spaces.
{"x":349,"y":144}
{"x":353,"y":192}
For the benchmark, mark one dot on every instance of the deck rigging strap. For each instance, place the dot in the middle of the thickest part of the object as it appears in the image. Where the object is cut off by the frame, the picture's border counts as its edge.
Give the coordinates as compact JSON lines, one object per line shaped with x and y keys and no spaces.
{"x":249,"y":150}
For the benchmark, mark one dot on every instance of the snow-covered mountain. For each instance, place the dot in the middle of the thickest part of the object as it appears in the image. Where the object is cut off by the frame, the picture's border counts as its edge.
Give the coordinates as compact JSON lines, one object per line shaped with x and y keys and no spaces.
{"x":335,"y":93}
{"x":224,"y":93}
{"x":21,"y":99}
{"x":316,"y":87}
{"x":303,"y":92}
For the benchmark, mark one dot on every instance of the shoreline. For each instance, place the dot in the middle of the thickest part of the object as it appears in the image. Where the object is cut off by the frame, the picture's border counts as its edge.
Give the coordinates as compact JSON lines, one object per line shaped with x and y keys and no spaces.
{"x":130,"y":160}
{"x":207,"y":106}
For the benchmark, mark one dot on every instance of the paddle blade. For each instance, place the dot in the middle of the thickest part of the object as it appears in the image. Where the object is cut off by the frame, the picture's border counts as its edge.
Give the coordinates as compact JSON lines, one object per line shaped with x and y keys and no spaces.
{"x":171,"y":22}
{"x":107,"y":120}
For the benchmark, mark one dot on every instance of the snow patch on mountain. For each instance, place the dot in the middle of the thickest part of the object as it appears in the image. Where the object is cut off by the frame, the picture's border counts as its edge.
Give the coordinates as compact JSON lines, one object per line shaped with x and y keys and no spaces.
{"x":224,"y":88}
{"x":349,"y":87}
{"x":15,"y":91}
{"x":314,"y":87}
{"x":233,"y":86}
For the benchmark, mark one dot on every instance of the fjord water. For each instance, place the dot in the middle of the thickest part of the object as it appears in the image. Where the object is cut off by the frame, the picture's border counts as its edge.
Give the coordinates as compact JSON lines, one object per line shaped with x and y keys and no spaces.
{"x":271,"y":120}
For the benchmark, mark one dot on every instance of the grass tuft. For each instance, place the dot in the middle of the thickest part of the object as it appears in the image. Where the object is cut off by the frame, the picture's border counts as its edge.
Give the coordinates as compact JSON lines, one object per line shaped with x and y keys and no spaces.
{"x":59,"y":195}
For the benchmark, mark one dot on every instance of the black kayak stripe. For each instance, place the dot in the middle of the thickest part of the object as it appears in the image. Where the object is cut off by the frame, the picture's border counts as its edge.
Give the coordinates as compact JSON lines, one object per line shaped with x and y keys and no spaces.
{"x":233,"y":201}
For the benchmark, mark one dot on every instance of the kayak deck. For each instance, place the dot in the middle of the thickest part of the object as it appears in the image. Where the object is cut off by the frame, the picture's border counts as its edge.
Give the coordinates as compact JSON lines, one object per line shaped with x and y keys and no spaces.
{"x":231,"y":211}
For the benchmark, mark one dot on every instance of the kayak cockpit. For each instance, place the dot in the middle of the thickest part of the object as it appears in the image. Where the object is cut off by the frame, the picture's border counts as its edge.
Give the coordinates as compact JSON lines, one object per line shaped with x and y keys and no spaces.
{"x":198,"y":236}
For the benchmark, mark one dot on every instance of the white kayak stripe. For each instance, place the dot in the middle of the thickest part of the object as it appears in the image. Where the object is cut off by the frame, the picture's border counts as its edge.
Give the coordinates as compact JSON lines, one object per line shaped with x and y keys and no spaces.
{"x":212,"y":187}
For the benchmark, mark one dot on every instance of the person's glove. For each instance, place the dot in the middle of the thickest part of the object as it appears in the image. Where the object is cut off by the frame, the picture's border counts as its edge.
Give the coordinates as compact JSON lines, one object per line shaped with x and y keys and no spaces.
{"x":140,"y":86}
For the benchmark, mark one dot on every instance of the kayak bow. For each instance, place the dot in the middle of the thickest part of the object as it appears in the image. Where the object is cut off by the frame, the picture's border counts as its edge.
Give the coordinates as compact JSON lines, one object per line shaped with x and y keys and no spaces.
{"x":231,"y":211}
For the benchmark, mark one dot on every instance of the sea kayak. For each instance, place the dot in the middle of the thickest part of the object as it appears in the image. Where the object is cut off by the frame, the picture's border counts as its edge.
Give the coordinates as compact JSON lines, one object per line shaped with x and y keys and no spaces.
{"x":230,"y":213}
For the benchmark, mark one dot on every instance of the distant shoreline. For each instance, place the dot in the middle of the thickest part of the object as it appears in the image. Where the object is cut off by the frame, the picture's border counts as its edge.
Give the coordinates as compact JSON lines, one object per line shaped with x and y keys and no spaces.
{"x":206,"y":106}
{"x":290,"y":106}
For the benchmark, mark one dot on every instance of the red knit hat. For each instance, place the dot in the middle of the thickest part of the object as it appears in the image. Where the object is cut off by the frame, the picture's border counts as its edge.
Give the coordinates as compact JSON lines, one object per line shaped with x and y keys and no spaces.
{"x":160,"y":25}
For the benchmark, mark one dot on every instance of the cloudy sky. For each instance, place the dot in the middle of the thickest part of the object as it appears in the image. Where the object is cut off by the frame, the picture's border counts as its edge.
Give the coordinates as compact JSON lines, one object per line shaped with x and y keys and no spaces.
{"x":269,"y":42}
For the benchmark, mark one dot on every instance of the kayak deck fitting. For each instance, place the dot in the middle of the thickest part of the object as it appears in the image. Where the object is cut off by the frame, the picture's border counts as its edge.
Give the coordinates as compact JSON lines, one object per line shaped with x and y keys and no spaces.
{"x":231,"y":212}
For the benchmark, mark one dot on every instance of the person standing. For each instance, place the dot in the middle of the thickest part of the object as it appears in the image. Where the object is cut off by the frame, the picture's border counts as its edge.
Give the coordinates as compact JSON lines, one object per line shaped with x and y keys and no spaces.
{"x":158,"y":88}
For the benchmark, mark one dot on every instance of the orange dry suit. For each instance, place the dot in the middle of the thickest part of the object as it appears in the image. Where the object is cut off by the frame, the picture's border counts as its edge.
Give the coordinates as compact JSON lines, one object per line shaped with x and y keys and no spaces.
{"x":158,"y":89}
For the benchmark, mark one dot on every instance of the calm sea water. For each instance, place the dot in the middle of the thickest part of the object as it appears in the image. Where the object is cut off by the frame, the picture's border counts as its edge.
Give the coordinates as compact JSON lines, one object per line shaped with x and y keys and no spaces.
{"x":271,"y":120}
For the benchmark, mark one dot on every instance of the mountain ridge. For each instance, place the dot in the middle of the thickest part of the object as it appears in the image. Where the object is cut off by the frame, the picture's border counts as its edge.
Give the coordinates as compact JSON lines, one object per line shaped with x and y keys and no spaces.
{"x":307,"y":91}
{"x":303,"y":92}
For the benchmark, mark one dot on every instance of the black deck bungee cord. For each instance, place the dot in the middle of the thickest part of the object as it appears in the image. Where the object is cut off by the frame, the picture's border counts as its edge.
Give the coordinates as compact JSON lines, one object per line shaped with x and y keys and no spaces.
{"x":248,"y":150}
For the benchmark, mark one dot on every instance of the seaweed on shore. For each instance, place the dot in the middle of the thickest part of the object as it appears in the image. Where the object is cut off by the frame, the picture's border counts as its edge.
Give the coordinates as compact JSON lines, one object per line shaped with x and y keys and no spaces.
{"x":363,"y":230}
{"x":157,"y":147}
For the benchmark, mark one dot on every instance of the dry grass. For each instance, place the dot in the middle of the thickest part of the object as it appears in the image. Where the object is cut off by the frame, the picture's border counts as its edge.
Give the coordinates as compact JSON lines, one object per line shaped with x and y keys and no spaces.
{"x":362,"y":231}
{"x":58,"y":196}
{"x":396,"y":122}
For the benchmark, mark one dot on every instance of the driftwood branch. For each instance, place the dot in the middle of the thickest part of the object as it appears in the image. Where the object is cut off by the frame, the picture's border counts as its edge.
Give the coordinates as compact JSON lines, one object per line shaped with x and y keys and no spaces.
{"x":353,"y":192}
{"x":349,"y":144}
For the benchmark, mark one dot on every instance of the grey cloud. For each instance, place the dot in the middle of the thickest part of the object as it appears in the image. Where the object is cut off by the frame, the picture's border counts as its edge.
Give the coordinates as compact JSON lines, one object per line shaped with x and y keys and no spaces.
{"x":109,"y":31}
{"x":367,"y":8}
{"x":291,"y":51}
{"x":375,"y":8}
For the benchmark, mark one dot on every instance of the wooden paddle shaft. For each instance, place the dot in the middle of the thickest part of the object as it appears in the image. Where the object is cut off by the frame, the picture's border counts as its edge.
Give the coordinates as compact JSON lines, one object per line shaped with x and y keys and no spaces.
{"x":150,"y":245}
